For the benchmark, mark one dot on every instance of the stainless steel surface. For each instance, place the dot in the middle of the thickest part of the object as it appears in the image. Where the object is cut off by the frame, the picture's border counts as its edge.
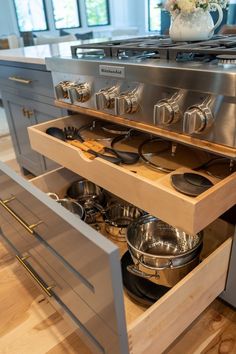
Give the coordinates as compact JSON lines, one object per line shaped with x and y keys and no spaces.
{"x":85,"y":191}
{"x":196,"y":98}
{"x":156,"y":244}
{"x":118,"y":217}
{"x":167,"y":276}
{"x":72,"y":206}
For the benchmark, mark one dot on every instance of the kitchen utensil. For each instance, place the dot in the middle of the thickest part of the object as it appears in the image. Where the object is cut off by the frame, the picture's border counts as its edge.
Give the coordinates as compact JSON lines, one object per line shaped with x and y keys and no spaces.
{"x":95,"y":131}
{"x":139,"y":289}
{"x":191,"y":184}
{"x":72,"y":133}
{"x":128,"y":158}
{"x":129,"y":142}
{"x":72,"y":206}
{"x":85,"y":191}
{"x":159,"y":245}
{"x":167,"y":156}
{"x":56,"y":133}
{"x":117,"y":218}
{"x":168,"y":276}
{"x":116,"y":129}
{"x":219,"y":167}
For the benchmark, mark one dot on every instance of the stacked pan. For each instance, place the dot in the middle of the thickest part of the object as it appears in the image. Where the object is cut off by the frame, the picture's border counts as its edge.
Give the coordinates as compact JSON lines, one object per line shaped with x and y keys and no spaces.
{"x":161,"y":253}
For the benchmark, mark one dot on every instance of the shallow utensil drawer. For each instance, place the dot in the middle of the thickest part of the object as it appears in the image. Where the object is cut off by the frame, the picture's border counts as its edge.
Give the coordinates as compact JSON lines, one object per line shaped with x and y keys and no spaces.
{"x":81,"y":250}
{"x":138,"y":184}
{"x":36,"y":81}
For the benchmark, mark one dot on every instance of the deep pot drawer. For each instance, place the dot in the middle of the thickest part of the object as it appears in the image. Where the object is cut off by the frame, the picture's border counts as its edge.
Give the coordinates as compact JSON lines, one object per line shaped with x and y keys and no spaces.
{"x":65,"y":247}
{"x":147,"y":330}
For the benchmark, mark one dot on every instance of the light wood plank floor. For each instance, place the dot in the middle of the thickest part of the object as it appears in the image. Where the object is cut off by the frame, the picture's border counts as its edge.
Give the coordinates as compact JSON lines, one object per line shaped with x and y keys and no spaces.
{"x":3,"y":123}
{"x":30,"y":325}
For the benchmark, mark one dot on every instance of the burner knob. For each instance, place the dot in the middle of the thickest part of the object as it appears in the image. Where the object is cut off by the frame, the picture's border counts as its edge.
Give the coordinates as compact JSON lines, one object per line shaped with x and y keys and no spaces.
{"x":166,"y":113}
{"x":105,"y":98}
{"x":197,"y":120}
{"x":80,"y":92}
{"x":126,"y":103}
{"x":62,"y":89}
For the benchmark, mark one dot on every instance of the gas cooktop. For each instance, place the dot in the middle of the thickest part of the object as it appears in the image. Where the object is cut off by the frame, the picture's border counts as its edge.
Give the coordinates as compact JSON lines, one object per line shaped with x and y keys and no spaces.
{"x":220,"y":49}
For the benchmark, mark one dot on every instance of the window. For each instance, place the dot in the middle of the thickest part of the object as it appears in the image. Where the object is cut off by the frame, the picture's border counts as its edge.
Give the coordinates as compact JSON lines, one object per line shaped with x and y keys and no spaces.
{"x":97,"y":12}
{"x":31,"y":15}
{"x":66,"y":13}
{"x":154,"y":15}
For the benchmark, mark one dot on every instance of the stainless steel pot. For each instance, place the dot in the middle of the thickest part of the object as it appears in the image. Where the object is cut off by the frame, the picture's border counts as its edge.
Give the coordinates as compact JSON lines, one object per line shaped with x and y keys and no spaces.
{"x":72,"y":206}
{"x":157,"y":244}
{"x":85,"y":191}
{"x":117,"y":218}
{"x":165,"y":276}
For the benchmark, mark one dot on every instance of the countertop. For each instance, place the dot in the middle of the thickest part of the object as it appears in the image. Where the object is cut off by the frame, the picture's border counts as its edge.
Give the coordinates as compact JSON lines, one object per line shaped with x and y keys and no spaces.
{"x":37,"y":54}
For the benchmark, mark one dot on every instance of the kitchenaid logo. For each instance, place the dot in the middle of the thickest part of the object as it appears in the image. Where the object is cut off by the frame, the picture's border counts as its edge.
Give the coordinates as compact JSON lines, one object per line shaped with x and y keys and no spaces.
{"x":116,"y":71}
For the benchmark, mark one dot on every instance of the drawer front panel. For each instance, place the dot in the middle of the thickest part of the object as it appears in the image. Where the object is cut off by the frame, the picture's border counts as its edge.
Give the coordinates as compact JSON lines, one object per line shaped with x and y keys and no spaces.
{"x":39,"y":262}
{"x":27,"y":79}
{"x":92,"y":259}
{"x":150,"y":190}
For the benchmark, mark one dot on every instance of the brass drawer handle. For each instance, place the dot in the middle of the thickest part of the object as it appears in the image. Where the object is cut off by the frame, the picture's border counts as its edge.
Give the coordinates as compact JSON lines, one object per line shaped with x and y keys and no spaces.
{"x":20,"y":80}
{"x":29,"y":228}
{"x":46,"y":289}
{"x":27,"y":113}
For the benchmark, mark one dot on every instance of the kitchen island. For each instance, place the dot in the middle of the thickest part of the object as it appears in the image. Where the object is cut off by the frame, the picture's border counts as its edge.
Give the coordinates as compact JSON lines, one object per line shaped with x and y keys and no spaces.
{"x":194,"y":299}
{"x":27,"y":94}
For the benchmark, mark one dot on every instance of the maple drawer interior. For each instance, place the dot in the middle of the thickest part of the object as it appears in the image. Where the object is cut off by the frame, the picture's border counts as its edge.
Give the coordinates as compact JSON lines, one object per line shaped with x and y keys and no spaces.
{"x":160,"y":324}
{"x":138,"y":184}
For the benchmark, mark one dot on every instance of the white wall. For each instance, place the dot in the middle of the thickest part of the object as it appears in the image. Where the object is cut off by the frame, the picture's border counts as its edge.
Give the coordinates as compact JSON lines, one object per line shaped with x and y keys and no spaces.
{"x":123,"y":13}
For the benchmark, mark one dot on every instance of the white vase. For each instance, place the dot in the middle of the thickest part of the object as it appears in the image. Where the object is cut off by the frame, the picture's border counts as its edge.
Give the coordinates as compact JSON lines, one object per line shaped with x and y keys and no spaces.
{"x":195,"y":26}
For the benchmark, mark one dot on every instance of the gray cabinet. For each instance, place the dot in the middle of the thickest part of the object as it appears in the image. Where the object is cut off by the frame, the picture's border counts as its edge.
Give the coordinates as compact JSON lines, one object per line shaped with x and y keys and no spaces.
{"x":71,"y":262}
{"x":21,"y":114}
{"x":27,"y":95}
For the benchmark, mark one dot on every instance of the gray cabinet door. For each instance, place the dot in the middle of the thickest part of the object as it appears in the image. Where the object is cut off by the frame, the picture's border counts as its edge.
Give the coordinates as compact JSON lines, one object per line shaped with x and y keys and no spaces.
{"x":84,"y":253}
{"x":21,"y":114}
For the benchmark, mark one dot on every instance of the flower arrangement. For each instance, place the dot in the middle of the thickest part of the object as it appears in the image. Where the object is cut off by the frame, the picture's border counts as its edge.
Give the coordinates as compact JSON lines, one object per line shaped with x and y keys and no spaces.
{"x":190,"y":6}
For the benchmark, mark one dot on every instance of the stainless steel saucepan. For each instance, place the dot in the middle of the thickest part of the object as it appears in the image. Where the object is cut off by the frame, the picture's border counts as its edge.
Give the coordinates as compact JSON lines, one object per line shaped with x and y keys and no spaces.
{"x":162,"y":253}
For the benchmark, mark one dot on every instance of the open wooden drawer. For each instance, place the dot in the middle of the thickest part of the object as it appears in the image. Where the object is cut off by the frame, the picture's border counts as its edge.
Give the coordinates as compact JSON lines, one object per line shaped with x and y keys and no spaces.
{"x":134,"y":329}
{"x":138,"y":184}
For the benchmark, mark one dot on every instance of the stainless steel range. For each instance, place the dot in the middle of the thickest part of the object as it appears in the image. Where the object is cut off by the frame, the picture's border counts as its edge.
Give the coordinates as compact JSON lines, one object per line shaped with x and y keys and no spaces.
{"x":188,"y":88}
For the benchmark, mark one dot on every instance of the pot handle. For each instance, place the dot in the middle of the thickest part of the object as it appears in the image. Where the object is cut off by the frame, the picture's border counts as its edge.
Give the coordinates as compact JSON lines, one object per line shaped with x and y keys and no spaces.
{"x":220,"y":18}
{"x":53,"y":196}
{"x":135,"y":271}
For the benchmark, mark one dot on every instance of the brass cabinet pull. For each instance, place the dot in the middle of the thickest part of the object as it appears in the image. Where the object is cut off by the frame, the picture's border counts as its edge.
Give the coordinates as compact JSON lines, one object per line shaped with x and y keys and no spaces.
{"x":29,"y":228}
{"x":27,"y":113}
{"x":46,"y":289}
{"x":20,"y":80}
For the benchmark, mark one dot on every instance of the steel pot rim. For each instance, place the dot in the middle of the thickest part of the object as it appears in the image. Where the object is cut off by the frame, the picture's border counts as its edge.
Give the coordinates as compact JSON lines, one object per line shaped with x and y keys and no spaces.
{"x":183,"y":254}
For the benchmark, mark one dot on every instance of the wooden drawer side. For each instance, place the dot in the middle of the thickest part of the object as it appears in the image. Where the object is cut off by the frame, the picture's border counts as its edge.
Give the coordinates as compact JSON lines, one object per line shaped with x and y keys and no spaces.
{"x":151,"y":191}
{"x":163,"y":322}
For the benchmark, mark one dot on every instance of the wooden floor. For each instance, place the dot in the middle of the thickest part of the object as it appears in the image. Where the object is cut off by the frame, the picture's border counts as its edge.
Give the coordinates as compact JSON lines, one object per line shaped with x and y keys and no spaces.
{"x":29,"y":324}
